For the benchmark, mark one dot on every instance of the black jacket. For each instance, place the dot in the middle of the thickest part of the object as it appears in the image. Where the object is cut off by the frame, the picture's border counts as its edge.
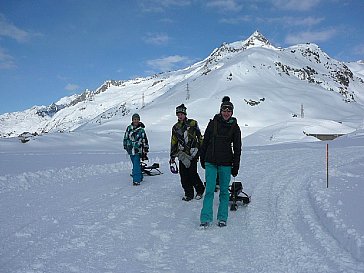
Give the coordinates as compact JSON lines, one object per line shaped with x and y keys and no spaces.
{"x":222,"y":142}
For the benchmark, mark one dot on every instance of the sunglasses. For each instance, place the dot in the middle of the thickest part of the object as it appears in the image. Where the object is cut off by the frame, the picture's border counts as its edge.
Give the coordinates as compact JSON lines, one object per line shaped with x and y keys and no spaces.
{"x":226,"y":110}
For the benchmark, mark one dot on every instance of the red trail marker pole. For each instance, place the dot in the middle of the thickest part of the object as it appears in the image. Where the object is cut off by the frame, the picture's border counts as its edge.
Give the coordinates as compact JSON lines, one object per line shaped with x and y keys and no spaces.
{"x":327,"y":165}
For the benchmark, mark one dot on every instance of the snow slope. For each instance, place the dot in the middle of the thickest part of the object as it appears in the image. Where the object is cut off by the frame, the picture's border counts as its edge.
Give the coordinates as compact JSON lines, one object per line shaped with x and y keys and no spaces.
{"x":68,"y":205}
{"x":267,"y":85}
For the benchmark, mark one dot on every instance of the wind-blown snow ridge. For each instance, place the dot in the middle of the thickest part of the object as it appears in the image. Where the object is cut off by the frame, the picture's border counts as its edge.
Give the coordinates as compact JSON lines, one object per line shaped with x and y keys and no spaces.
{"x":28,"y":180}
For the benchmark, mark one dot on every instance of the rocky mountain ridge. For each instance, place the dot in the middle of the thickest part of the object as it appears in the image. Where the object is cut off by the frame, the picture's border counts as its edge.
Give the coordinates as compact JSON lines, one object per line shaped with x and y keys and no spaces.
{"x":241,"y":63}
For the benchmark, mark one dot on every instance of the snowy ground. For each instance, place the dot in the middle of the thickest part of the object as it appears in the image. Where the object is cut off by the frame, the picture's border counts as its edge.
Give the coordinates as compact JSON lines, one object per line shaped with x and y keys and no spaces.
{"x":72,"y":208}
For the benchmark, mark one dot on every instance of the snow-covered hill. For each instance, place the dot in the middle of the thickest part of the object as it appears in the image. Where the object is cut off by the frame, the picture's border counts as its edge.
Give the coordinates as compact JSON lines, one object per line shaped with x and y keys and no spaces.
{"x":68,"y":205}
{"x":267,"y":85}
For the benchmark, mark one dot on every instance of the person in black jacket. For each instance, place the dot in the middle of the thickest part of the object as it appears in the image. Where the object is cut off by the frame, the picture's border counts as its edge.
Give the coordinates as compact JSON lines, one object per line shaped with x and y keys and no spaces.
{"x":220,"y":155}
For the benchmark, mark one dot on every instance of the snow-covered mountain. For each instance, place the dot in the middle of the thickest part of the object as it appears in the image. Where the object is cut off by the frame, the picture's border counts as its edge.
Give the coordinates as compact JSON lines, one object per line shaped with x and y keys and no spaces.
{"x":268,"y":86}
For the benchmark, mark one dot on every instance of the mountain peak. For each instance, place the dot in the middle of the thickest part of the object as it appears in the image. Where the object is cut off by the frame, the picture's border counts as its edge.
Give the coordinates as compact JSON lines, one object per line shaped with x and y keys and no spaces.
{"x":257,"y":39}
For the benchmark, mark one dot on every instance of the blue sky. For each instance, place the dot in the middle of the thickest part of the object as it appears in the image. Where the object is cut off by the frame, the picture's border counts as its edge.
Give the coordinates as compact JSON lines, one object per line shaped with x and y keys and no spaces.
{"x":50,"y":48}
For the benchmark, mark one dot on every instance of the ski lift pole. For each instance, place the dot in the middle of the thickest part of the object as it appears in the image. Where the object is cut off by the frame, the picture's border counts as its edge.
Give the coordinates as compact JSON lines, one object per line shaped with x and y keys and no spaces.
{"x":327,"y":165}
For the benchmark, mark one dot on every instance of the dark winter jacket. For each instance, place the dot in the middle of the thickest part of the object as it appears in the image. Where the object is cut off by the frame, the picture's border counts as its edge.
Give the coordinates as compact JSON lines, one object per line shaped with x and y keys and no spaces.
{"x":186,"y":137}
{"x":222,"y":142}
{"x":135,"y":139}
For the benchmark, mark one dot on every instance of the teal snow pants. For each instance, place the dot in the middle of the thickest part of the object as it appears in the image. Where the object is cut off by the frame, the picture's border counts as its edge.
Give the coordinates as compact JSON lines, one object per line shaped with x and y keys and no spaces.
{"x":137,"y":170}
{"x":211,"y":172}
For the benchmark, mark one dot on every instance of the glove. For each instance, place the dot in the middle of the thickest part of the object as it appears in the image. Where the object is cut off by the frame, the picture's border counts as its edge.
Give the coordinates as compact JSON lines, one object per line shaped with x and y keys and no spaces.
{"x":185,"y":159}
{"x":128,"y":149}
{"x":202,"y":163}
{"x":234,"y":171}
{"x":144,"y":156}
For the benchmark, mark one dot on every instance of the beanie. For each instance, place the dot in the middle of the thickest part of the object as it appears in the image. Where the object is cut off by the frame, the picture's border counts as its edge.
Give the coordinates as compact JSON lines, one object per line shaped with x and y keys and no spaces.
{"x":135,"y":116}
{"x":226,"y":104}
{"x":181,"y":109}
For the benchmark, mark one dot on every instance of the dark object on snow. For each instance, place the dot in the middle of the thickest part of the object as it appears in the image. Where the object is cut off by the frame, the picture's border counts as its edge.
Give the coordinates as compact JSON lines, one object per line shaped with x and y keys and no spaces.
{"x":324,"y":137}
{"x":26,"y":136}
{"x":237,"y":195}
{"x":173,"y":167}
{"x":150,"y":170}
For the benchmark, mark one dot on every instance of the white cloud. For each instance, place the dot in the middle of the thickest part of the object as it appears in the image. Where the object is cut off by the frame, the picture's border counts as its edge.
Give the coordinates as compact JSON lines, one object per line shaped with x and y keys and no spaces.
{"x":7,"y":29}
{"x":310,"y":36}
{"x":169,"y":63}
{"x":237,"y":20}
{"x":225,"y":5}
{"x":300,"y":5}
{"x":309,"y":21}
{"x":161,"y":5}
{"x":299,"y":21}
{"x":157,"y":38}
{"x":71,"y":87}
{"x":286,"y":21}
{"x":6,"y":60}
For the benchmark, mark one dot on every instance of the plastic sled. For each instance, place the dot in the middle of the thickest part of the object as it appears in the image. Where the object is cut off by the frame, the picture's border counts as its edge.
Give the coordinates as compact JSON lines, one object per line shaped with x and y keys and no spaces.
{"x":238,"y":195}
{"x":150,"y":170}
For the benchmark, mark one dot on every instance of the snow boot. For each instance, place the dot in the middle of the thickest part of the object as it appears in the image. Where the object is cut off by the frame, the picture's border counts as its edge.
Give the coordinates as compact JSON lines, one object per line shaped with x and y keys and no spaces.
{"x":186,"y":198}
{"x":199,"y":196}
{"x":204,"y":225}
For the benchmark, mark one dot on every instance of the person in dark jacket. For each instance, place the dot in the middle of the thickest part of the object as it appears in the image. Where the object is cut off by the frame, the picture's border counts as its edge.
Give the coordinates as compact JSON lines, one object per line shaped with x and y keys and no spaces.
{"x":136,"y":144}
{"x":185,"y":144}
{"x":220,"y":155}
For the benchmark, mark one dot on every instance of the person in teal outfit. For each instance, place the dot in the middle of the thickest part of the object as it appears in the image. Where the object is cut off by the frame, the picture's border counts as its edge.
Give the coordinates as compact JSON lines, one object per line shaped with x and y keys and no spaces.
{"x":136,"y":144}
{"x":220,"y":156}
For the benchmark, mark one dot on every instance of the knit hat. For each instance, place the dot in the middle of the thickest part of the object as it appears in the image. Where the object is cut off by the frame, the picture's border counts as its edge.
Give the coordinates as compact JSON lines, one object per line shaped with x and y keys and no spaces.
{"x":226,"y":104}
{"x":135,"y":116}
{"x":181,"y":109}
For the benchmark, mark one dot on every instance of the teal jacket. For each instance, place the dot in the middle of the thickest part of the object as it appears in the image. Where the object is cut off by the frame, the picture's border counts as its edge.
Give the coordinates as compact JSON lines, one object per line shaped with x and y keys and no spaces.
{"x":135,"y":140}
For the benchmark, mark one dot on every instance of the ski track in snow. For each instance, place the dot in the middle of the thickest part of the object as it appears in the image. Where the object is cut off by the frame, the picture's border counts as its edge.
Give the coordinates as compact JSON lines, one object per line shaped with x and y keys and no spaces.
{"x":91,"y":219}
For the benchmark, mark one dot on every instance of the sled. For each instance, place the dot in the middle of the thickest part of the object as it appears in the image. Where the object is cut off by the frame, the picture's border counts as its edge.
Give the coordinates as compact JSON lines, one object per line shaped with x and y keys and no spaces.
{"x":150,"y":170}
{"x":238,"y":195}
